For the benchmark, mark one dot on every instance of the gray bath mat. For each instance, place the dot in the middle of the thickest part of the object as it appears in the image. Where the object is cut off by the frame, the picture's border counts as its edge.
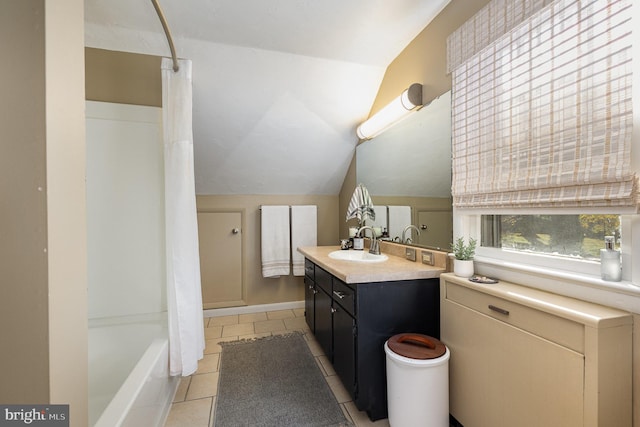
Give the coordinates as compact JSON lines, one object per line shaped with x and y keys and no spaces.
{"x":273,"y":381}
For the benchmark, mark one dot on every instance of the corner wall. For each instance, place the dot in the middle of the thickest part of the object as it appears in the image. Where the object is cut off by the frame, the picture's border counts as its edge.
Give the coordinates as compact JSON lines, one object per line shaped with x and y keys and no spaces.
{"x":66,"y":207}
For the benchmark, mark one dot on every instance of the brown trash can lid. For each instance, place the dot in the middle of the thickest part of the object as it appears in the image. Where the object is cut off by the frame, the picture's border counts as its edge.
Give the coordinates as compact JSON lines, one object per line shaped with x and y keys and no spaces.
{"x":416,"y":346}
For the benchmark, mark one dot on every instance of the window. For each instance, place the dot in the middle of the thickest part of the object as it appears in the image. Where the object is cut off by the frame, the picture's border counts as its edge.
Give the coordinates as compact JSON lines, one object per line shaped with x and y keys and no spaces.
{"x":575,"y":236}
{"x":542,"y":136}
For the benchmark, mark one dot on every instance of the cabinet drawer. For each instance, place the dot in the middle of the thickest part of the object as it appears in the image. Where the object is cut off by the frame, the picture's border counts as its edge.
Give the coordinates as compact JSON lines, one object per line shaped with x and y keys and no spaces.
{"x":553,"y":328}
{"x":309,"y":269}
{"x":344,"y":295}
{"x":323,"y":279}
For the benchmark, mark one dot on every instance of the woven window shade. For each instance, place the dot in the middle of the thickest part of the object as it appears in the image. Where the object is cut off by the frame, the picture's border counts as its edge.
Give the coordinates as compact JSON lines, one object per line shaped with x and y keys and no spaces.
{"x":491,"y":23}
{"x":542,"y":116}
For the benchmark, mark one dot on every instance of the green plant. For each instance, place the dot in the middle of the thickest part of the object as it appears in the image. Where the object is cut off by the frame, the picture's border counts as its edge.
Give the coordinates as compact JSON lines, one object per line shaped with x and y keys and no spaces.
{"x":462,"y":251}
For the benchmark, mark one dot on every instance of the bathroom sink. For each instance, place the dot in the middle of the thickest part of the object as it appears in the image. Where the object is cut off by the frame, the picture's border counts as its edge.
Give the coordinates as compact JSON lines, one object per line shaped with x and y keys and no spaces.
{"x":357,"y":256}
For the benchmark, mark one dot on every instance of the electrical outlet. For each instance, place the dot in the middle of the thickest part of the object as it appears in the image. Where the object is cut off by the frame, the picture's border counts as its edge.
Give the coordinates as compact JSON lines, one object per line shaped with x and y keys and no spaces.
{"x":410,"y":254}
{"x":427,"y":257}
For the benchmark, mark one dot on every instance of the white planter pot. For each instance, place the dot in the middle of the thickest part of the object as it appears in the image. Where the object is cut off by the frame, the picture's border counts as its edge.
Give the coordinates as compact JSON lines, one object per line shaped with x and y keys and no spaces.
{"x":463,"y":268}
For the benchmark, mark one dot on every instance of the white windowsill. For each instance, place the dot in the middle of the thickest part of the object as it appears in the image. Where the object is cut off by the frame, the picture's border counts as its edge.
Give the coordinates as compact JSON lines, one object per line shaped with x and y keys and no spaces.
{"x":623,"y":295}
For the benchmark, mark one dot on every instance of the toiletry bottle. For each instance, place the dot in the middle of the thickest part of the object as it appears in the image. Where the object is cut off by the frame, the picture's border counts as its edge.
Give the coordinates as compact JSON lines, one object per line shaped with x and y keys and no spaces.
{"x":610,"y":266}
{"x":358,"y":243}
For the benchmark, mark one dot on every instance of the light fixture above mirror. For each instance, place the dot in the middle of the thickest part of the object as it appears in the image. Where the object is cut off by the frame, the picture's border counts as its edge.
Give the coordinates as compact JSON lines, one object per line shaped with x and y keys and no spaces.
{"x":392,"y":113}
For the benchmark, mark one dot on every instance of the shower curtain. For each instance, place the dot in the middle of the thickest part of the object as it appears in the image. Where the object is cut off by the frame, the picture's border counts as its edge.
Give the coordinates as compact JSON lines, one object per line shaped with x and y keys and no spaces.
{"x":184,"y":295}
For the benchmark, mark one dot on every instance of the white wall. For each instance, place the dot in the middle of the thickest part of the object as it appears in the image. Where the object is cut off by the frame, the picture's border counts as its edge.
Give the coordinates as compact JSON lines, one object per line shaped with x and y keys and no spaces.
{"x":125,"y":210}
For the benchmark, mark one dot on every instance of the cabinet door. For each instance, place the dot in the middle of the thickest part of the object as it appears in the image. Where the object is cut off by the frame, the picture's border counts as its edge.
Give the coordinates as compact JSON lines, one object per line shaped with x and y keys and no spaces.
{"x":437,"y":228}
{"x":344,"y":348}
{"x":309,"y":303}
{"x":220,"y":238}
{"x":503,"y":376}
{"x":324,"y":322}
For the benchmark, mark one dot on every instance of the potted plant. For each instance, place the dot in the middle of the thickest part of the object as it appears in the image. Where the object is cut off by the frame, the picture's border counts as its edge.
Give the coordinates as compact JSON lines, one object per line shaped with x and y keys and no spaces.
{"x":463,"y":257}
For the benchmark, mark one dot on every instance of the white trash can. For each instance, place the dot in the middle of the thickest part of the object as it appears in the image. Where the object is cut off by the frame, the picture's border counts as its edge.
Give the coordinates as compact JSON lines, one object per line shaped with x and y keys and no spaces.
{"x":417,"y":381}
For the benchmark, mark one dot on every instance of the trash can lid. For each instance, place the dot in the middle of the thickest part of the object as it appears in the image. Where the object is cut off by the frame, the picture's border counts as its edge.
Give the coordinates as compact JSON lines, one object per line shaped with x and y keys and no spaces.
{"x":416,"y":346}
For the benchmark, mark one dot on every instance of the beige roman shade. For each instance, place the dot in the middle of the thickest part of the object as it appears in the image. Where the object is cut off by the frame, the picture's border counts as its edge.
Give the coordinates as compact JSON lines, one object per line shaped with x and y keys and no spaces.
{"x":542,"y":113}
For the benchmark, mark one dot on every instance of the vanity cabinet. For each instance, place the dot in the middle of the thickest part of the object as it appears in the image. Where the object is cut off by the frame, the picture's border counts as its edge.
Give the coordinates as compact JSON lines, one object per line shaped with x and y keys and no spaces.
{"x":344,"y":345}
{"x":353,"y":321}
{"x":309,"y":295}
{"x":323,"y":310}
{"x":525,"y":357}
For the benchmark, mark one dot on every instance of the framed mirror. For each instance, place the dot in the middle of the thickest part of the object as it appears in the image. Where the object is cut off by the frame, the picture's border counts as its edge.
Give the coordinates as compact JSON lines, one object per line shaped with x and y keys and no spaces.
{"x":410,"y":165}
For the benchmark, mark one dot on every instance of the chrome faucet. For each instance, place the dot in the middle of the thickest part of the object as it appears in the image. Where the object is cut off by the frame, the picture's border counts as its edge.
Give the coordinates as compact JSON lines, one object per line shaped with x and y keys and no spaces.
{"x":408,"y":227}
{"x":374,"y":248}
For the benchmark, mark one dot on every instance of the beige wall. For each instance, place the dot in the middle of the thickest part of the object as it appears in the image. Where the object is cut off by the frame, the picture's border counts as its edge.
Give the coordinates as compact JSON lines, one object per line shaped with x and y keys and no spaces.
{"x":287,"y":288}
{"x":24,"y":359}
{"x":122,"y":77}
{"x":422,"y":61}
{"x":42,"y":246}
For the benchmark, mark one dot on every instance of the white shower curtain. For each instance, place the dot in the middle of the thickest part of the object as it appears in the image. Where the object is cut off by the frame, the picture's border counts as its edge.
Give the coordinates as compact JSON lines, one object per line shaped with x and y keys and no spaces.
{"x":184,"y":295}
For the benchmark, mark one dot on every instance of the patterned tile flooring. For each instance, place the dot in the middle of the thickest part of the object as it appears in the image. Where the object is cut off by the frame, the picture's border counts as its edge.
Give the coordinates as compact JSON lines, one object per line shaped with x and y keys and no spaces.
{"x":194,"y":404}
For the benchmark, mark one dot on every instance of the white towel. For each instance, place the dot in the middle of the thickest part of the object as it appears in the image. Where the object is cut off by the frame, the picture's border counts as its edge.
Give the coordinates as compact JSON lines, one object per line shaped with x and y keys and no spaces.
{"x":360,"y":206}
{"x":275,"y":241}
{"x":304,"y":232}
{"x":399,"y":218}
{"x":381,"y":217}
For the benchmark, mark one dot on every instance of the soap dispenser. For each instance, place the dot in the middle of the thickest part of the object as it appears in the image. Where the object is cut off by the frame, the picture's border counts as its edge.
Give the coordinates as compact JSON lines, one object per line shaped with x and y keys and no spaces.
{"x":610,"y":265}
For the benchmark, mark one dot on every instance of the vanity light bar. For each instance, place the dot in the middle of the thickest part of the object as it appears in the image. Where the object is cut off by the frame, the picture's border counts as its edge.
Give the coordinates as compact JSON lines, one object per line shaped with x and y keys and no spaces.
{"x":391,"y":114}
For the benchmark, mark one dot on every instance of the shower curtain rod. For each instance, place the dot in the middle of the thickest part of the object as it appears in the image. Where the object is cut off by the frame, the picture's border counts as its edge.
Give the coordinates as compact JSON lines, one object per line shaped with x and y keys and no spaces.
{"x":165,"y":26}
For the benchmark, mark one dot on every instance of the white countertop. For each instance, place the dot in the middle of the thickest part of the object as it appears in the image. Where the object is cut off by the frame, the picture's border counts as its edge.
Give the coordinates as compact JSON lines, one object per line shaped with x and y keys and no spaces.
{"x":587,"y":313}
{"x":393,"y":269}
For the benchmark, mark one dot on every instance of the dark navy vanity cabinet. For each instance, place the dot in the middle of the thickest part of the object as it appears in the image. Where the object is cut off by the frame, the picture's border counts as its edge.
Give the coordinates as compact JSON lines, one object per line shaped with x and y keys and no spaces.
{"x":351,"y":322}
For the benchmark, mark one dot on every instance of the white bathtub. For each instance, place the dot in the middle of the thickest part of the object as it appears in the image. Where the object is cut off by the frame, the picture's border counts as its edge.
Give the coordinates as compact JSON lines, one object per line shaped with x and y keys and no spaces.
{"x":129,"y":382}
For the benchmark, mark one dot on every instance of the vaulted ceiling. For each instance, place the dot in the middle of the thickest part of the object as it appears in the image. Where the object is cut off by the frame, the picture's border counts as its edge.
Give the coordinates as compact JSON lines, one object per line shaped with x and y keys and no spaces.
{"x":279,"y":86}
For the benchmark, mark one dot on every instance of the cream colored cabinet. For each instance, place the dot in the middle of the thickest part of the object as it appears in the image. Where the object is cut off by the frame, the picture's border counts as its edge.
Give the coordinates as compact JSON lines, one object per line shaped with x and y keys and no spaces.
{"x":523,"y":357}
{"x":220,"y":242}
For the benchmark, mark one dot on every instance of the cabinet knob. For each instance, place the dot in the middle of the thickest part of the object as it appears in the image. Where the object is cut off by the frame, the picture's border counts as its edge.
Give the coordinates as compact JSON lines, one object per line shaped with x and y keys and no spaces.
{"x":333,"y":310}
{"x":235,"y":230}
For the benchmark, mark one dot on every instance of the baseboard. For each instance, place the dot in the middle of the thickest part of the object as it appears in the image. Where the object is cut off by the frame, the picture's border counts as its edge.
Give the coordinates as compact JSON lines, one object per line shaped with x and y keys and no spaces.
{"x":229,"y":311}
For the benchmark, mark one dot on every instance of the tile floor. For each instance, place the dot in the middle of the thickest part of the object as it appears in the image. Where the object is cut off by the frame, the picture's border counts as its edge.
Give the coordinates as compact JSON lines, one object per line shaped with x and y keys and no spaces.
{"x":195,"y":401}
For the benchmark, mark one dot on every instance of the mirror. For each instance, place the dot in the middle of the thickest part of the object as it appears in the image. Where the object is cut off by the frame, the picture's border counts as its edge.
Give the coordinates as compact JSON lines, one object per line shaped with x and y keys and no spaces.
{"x":410,"y":165}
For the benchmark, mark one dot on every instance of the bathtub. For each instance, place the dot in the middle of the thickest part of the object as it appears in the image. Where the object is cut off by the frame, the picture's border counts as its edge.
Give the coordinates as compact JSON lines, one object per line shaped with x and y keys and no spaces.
{"x":129,"y":382}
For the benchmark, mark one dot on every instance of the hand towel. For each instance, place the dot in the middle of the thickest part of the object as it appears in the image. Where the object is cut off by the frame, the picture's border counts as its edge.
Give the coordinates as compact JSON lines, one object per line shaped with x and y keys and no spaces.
{"x":275,"y":241}
{"x":304,"y":232}
{"x":399,"y":218}
{"x":360,"y":206}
